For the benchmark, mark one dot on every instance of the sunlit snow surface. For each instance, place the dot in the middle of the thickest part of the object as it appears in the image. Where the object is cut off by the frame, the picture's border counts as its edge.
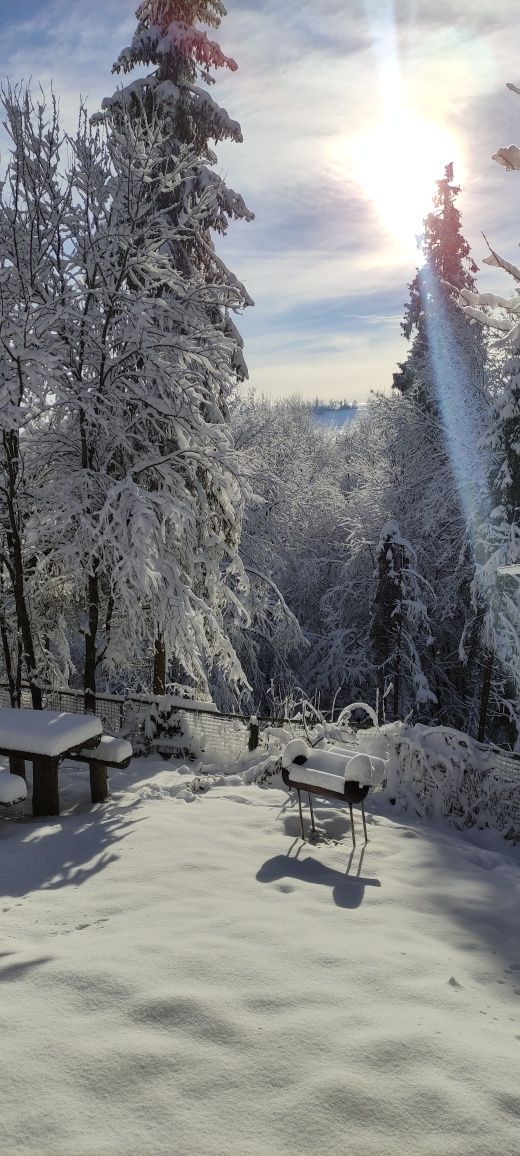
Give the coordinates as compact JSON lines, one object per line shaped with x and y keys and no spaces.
{"x":180,"y":975}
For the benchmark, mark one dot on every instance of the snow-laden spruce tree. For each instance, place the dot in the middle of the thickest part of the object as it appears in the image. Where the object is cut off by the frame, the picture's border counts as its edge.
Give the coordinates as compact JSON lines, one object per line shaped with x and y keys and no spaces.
{"x":446,"y":367}
{"x":401,"y":631}
{"x":499,"y":535}
{"x":169,"y":39}
{"x":444,"y":377}
{"x":139,"y":504}
{"x":431,"y":322}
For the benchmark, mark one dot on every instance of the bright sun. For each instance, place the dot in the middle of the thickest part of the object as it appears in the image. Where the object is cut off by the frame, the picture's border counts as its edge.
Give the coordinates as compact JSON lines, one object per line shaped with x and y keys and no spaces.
{"x":396,"y":164}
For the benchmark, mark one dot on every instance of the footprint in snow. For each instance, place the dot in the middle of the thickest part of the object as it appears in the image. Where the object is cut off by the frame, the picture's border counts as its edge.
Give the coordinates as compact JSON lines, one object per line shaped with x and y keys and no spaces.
{"x":83,"y":926}
{"x":454,"y":982}
{"x":95,"y":923}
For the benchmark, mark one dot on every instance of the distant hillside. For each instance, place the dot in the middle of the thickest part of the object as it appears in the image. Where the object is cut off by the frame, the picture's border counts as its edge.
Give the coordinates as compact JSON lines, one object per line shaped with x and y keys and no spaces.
{"x":334,"y":417}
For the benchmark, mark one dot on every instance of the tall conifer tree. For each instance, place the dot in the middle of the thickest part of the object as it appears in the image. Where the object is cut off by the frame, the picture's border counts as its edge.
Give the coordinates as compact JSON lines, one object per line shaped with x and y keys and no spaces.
{"x":183,"y":58}
{"x":447,"y":262}
{"x":444,"y":375}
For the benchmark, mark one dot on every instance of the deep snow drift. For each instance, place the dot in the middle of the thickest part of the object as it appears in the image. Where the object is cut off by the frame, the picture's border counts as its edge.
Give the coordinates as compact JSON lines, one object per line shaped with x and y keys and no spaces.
{"x":187,"y":977}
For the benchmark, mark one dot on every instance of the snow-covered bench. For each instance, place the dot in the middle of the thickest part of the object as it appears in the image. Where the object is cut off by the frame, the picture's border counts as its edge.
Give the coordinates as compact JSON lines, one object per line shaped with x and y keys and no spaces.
{"x":334,"y":772}
{"x":45,"y":738}
{"x":109,"y":752}
{"x":13,"y":789}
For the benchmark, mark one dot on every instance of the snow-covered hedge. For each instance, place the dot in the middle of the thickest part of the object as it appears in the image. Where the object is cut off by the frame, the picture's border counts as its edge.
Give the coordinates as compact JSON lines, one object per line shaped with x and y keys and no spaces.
{"x":444,"y":774}
{"x":436,"y":772}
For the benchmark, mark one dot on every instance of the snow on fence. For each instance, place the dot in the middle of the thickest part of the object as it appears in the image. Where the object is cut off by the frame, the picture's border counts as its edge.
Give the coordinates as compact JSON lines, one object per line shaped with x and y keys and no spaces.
{"x":168,"y":725}
{"x":437,"y":772}
{"x":110,"y":708}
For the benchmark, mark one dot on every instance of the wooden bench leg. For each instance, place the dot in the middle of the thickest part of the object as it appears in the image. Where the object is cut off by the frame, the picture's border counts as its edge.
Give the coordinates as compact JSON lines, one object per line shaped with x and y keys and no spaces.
{"x":352,"y":826}
{"x":98,"y":782}
{"x":45,"y":797}
{"x":17,"y":765}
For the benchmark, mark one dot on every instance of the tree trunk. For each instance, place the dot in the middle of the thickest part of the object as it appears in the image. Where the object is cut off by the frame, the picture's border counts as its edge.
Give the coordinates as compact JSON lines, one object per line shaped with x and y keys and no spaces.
{"x":159,"y":666}
{"x":16,"y":570}
{"x":24,"y":622}
{"x":89,"y":673}
{"x":397,"y":662}
{"x":11,"y":680}
{"x":386,"y":627}
{"x":484,"y":696}
{"x":18,"y":681}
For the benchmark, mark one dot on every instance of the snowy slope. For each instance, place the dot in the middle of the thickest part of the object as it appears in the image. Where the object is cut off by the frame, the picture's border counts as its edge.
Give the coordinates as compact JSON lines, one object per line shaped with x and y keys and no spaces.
{"x":186,"y":977}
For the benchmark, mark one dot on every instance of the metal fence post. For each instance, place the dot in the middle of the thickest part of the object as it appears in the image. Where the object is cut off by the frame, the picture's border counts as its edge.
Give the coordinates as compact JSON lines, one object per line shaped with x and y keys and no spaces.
{"x":253,"y":733}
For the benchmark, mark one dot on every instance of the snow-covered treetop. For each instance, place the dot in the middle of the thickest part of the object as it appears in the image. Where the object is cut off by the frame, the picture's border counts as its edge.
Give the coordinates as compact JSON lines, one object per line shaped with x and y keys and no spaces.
{"x":163,"y":11}
{"x":166,"y":33}
{"x":446,"y":252}
{"x":168,"y":39}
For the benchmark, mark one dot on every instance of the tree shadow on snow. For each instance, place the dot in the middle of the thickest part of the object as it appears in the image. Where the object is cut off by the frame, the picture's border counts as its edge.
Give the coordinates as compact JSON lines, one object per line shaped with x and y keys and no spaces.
{"x":470,"y":876}
{"x":348,"y":890}
{"x":62,"y":851}
{"x":17,"y":970}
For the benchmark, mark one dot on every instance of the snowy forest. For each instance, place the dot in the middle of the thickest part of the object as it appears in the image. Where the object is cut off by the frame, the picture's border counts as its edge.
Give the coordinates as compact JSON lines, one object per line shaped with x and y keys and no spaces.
{"x":164,"y":525}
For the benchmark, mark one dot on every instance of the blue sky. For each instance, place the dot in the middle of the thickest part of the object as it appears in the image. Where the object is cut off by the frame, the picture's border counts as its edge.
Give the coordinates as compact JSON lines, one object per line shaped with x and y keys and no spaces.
{"x":349,"y":110}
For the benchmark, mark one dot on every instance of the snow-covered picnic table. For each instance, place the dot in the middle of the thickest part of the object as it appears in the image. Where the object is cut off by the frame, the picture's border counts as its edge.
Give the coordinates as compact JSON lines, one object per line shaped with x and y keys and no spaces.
{"x":45,"y":738}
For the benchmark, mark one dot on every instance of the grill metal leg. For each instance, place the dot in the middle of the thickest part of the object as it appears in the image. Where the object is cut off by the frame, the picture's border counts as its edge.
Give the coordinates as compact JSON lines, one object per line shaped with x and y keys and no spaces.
{"x":364,"y":820}
{"x":352,"y":826}
{"x":312,"y":816}
{"x":301,"y":815}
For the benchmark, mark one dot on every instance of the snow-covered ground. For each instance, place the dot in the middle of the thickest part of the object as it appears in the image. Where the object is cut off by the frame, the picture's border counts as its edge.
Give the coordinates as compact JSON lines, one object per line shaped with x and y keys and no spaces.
{"x":185,"y":977}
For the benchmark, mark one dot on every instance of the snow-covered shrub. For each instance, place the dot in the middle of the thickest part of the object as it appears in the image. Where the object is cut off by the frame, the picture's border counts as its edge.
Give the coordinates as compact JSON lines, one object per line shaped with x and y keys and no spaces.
{"x":441,"y":773}
{"x":164,"y":726}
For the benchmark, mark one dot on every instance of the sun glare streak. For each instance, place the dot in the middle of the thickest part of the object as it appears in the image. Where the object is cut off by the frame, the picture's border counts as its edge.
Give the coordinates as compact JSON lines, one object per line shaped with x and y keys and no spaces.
{"x":459,"y":404}
{"x":380,"y":18}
